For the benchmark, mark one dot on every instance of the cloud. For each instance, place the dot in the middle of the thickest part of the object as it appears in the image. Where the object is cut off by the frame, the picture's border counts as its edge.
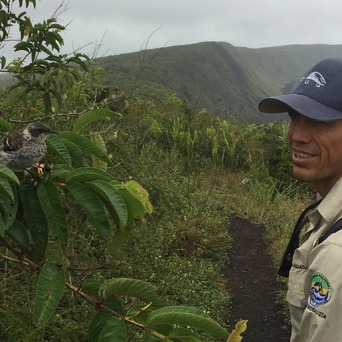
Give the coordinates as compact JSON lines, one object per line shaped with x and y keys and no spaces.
{"x":127,"y":26}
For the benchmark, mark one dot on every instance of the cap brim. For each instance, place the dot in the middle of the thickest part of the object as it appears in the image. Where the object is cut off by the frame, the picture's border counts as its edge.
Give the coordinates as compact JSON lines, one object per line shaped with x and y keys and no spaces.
{"x":301,"y":104}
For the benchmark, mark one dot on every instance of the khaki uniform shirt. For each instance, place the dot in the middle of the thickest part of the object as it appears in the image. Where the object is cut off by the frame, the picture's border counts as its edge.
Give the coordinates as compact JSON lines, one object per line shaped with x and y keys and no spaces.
{"x":315,"y":279}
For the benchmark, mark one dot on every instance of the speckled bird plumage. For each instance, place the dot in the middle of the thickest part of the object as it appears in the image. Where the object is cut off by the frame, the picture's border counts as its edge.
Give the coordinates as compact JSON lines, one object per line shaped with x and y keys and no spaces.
{"x":22,"y":149}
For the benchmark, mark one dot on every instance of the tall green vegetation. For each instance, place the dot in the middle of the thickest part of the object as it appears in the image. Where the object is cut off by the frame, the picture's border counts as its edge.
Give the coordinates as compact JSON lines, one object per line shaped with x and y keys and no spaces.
{"x":123,"y":237}
{"x":64,"y":222}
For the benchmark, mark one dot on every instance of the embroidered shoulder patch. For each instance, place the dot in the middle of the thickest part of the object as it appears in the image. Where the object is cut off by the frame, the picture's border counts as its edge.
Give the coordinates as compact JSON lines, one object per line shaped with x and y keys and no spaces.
{"x":321,"y":290}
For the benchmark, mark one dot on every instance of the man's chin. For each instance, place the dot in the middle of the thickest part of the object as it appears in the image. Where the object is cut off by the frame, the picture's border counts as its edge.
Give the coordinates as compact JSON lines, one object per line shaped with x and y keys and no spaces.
{"x":301,"y":176}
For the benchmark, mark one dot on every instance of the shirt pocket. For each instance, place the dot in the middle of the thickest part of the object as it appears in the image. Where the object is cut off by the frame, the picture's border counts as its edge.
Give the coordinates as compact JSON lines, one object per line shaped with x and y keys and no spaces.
{"x":295,"y":292}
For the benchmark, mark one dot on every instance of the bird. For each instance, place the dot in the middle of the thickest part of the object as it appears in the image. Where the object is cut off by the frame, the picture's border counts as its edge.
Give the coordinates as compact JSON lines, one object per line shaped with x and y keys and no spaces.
{"x":22,"y":149}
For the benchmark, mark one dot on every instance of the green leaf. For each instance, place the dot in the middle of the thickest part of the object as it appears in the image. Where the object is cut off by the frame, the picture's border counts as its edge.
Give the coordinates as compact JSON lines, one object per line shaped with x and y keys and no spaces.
{"x":13,"y":208}
{"x":6,"y":189}
{"x":91,"y":287}
{"x":78,"y":159}
{"x":129,"y":287}
{"x":183,"y":335}
{"x":113,"y":330}
{"x":114,"y":304}
{"x":23,"y":46}
{"x":93,"y":115}
{"x":136,"y":196}
{"x":84,"y":174}
{"x":86,"y":145}
{"x":58,"y":97}
{"x":35,"y":219}
{"x":92,"y":206}
{"x":98,"y":141}
{"x":187,"y":316}
{"x":136,"y":208}
{"x":97,"y":324}
{"x":59,"y":172}
{"x":34,"y":97}
{"x":50,"y":287}
{"x":120,"y":236}
{"x":47,"y":102}
{"x":2,"y":226}
{"x":162,"y":329}
{"x":139,"y":313}
{"x":3,"y":61}
{"x":50,"y":202}
{"x":55,"y":40}
{"x":57,"y":146}
{"x":105,"y":327}
{"x":3,"y":242}
{"x":113,"y":200}
{"x":57,"y":27}
{"x":6,"y":173}
{"x":5,"y":206}
{"x":18,"y":232}
{"x":7,"y":125}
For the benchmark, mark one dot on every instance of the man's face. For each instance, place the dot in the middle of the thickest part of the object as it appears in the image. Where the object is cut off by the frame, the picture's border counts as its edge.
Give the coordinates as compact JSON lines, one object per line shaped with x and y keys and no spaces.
{"x":316,"y":150}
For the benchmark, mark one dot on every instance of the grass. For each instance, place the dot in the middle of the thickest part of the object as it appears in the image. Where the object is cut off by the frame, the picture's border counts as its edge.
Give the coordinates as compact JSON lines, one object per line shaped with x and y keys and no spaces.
{"x":183,"y":246}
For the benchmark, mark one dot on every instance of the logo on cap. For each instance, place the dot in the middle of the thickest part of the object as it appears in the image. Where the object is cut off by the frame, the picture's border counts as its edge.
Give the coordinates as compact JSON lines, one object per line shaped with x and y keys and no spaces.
{"x":315,"y":77}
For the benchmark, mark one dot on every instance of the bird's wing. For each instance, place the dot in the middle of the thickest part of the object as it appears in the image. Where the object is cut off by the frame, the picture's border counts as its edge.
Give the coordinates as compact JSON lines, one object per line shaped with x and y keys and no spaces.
{"x":13,"y":141}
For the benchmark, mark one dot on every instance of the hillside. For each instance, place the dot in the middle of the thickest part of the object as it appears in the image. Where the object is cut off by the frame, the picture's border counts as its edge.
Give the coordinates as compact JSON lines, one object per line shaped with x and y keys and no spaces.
{"x":227,"y":80}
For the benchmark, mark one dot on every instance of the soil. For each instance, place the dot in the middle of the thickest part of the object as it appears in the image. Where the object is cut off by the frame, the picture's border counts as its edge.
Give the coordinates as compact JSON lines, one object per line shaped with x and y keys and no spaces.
{"x":253,"y":285}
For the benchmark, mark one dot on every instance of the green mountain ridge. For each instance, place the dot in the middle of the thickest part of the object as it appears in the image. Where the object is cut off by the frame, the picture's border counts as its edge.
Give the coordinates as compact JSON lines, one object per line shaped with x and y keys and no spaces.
{"x":226,"y":80}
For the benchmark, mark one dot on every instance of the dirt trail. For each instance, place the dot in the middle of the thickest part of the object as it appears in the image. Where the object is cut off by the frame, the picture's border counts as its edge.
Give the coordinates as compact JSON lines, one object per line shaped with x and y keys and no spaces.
{"x":251,"y":280}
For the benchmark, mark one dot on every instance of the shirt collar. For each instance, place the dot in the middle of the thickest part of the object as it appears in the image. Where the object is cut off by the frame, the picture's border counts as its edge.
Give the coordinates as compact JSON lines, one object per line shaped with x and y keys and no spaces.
{"x":330,"y":207}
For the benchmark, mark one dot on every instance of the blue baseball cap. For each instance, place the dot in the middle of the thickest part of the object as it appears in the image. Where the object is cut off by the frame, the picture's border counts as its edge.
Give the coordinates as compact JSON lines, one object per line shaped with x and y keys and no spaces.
{"x":316,"y":95}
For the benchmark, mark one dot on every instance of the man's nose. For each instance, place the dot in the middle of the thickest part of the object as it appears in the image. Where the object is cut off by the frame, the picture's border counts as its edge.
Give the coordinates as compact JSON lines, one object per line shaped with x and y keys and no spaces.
{"x":299,"y":131}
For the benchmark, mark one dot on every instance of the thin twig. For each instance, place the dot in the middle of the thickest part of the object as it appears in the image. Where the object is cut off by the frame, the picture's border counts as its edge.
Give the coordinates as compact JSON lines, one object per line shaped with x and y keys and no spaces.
{"x":142,"y":56}
{"x":104,"y":267}
{"x":18,"y":261}
{"x":68,"y":115}
{"x":96,"y":303}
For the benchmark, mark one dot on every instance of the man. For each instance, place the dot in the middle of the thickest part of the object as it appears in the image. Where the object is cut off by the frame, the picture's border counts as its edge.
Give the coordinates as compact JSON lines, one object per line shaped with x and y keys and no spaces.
{"x":315,"y":140}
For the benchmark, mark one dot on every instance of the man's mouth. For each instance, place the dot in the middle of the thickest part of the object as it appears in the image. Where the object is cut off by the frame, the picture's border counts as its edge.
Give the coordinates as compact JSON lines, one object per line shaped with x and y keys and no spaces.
{"x":302,"y":155}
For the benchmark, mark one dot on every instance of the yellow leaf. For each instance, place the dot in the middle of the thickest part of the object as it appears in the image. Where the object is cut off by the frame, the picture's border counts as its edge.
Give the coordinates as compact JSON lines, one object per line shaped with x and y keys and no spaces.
{"x":240,"y":327}
{"x":141,"y":194}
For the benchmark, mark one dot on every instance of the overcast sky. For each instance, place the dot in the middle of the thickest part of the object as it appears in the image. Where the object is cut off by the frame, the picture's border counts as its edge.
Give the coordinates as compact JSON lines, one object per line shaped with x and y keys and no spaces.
{"x":123,"y":26}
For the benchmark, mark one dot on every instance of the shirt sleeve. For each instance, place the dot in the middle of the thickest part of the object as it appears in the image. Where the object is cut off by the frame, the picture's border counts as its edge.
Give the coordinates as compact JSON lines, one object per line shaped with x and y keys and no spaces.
{"x":321,"y":320}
